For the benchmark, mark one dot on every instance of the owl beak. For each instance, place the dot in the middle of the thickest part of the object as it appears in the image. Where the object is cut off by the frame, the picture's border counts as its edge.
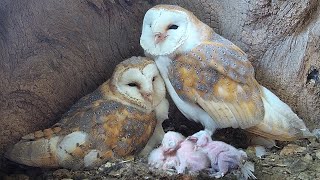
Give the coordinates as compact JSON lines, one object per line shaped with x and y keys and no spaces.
{"x":159,"y":37}
{"x":147,"y":96}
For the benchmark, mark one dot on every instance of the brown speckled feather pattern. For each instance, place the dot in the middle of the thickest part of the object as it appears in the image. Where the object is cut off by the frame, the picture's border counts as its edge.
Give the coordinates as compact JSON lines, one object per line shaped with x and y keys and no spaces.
{"x":204,"y":70}
{"x":116,"y":130}
{"x":112,"y":125}
{"x":102,"y":126}
{"x":218,"y":76}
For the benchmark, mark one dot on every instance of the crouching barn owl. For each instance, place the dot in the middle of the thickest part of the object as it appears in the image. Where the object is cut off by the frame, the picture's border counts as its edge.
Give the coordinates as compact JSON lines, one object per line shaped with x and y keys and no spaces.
{"x":114,"y":121}
{"x":211,"y":80}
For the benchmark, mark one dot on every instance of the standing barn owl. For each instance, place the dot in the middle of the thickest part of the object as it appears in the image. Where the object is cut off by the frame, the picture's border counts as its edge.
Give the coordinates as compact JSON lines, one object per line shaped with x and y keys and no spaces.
{"x":211,"y":80}
{"x":114,"y":121}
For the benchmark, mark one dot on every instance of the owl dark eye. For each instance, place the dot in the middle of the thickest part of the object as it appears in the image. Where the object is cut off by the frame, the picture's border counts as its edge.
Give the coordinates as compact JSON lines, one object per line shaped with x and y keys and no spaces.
{"x":173,"y":26}
{"x":153,"y":79}
{"x":133,"y":84}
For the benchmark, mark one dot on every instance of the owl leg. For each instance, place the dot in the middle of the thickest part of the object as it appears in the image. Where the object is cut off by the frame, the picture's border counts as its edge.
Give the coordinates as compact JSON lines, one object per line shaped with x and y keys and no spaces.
{"x":209,"y":124}
{"x":260,"y":143}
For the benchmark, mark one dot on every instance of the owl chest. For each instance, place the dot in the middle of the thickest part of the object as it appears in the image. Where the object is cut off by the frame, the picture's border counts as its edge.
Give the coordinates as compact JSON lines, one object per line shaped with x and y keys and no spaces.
{"x":189,"y":79}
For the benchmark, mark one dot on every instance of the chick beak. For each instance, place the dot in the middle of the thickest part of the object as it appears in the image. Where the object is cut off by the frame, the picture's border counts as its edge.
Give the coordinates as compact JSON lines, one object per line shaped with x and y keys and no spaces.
{"x":167,"y":151}
{"x":147,"y":96}
{"x":192,"y":139}
{"x":159,"y":37}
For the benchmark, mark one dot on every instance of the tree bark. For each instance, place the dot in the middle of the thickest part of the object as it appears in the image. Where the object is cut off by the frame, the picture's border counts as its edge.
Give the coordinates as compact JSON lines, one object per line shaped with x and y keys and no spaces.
{"x":54,"y":52}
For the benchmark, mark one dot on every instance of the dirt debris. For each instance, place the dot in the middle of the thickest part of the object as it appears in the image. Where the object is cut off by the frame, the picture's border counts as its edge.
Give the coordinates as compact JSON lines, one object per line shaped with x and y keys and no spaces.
{"x":302,"y":162}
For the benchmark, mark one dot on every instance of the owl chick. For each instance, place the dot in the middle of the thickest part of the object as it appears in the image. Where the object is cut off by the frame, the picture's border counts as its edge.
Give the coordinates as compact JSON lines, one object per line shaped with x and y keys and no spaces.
{"x":158,"y":159}
{"x":114,"y":121}
{"x":223,"y":157}
{"x":211,"y":80}
{"x":164,"y":157}
{"x":178,"y":153}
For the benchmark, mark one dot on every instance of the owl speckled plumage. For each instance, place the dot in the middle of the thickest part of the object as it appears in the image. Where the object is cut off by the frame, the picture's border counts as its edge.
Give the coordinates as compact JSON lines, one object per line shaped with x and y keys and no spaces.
{"x":210,"y":79}
{"x":115,"y":121}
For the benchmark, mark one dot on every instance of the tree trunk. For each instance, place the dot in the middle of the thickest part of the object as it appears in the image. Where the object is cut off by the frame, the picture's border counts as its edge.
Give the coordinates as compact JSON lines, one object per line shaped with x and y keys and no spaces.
{"x":54,"y":52}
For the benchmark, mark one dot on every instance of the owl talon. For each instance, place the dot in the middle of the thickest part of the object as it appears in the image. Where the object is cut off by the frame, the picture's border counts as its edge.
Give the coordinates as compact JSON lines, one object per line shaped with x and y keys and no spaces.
{"x":217,"y":175}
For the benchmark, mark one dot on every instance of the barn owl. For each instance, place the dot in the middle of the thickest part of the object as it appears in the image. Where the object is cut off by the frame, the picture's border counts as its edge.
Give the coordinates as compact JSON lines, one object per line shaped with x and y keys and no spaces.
{"x":211,"y":80}
{"x":114,"y":121}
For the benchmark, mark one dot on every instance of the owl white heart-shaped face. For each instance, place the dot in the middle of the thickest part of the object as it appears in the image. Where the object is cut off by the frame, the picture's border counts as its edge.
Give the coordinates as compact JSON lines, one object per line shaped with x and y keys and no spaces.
{"x":163,"y":31}
{"x":141,"y":86}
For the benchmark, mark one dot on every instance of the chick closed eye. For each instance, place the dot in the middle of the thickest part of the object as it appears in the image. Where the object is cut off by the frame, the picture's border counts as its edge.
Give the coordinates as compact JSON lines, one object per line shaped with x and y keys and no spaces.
{"x":172,"y":144}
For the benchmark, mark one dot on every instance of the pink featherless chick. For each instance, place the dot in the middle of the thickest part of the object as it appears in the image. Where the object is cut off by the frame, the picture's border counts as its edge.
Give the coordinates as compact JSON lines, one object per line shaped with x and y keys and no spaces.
{"x":177,"y":153}
{"x":223,"y":156}
{"x":181,"y":155}
{"x":164,"y":157}
{"x":159,"y":160}
{"x":191,"y":160}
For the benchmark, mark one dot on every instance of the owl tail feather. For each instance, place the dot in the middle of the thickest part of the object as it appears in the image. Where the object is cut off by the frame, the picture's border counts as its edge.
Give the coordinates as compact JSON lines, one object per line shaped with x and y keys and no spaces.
{"x":71,"y":151}
{"x":280,"y":122}
{"x":37,"y":153}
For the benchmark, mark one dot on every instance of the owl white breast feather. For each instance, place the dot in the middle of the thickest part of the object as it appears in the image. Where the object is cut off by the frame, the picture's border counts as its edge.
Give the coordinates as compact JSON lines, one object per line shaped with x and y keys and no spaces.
{"x":211,"y":80}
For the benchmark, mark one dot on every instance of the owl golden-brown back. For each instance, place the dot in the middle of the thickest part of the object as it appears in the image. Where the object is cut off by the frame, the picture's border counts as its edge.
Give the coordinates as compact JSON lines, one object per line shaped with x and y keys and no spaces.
{"x":210,"y":79}
{"x":114,"y":121}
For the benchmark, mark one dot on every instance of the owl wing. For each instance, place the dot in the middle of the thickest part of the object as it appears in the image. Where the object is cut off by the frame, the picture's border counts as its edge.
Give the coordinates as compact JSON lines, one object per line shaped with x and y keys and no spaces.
{"x":219,"y":78}
{"x":228,"y":59}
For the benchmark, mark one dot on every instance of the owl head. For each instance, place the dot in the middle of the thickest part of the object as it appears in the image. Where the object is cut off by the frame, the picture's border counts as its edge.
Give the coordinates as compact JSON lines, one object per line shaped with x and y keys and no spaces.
{"x":137,"y":82}
{"x":169,"y":29}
